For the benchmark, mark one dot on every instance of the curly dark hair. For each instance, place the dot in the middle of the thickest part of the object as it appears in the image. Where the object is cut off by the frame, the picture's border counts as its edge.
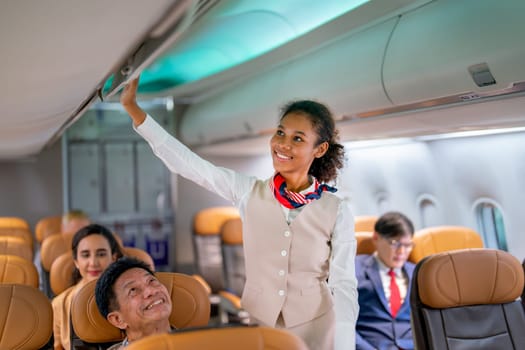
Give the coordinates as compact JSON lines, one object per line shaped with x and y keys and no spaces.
{"x":324,"y":168}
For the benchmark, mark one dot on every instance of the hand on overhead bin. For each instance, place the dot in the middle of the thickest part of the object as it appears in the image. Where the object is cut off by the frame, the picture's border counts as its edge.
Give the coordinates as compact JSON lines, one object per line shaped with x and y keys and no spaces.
{"x":128,"y":99}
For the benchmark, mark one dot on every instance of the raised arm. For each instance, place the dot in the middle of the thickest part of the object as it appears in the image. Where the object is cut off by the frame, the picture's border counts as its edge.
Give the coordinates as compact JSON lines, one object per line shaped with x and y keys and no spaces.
{"x":128,"y":99}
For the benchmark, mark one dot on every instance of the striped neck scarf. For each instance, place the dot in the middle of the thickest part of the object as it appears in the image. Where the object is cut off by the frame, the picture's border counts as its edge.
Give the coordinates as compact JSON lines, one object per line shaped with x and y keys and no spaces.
{"x":293,"y":200}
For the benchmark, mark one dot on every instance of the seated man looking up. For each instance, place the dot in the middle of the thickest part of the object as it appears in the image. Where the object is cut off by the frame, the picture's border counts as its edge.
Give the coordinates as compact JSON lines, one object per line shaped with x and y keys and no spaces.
{"x":132,"y":299}
{"x":384,"y":286}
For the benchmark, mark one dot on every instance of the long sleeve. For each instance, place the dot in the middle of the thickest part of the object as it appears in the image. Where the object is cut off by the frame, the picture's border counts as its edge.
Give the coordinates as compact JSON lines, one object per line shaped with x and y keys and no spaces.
{"x":181,"y":160}
{"x":342,"y":280}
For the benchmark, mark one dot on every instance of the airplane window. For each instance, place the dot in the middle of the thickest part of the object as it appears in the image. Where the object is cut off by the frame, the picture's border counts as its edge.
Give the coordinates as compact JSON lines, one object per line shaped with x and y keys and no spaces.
{"x":428,"y":211}
{"x":383,"y":202}
{"x":491,"y":225}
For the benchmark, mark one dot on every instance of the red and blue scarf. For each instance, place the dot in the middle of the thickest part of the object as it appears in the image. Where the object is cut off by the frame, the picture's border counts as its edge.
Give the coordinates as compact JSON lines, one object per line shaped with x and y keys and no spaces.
{"x":293,"y":200}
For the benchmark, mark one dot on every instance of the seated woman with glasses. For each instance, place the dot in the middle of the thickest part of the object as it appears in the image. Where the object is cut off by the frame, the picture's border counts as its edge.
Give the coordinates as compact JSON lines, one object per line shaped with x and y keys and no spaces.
{"x":384,"y":286}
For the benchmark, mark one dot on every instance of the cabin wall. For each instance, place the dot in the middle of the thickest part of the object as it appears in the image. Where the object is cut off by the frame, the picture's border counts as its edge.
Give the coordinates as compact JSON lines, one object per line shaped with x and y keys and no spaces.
{"x":32,"y":188}
{"x":454,"y":172}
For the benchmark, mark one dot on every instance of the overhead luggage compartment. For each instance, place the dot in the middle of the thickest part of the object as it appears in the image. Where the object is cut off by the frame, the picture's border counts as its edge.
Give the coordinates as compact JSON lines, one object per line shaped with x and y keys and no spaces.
{"x":344,"y":73}
{"x":440,"y":49}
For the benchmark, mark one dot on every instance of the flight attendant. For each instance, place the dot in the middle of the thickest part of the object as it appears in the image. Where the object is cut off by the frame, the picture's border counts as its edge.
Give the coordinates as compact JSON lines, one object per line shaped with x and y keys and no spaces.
{"x":298,"y":235}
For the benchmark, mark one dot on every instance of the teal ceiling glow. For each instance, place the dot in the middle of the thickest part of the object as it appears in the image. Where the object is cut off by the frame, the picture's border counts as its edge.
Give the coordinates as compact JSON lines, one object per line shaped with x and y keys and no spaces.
{"x":235,"y":31}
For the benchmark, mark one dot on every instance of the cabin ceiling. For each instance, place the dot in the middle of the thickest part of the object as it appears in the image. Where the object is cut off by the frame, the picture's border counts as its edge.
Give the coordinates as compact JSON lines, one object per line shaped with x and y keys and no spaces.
{"x":231,"y":63}
{"x":55,"y":56}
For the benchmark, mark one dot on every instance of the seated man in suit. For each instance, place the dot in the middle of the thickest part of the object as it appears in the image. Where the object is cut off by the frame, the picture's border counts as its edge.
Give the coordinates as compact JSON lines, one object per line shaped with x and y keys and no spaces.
{"x":132,"y":299}
{"x":384,"y":286}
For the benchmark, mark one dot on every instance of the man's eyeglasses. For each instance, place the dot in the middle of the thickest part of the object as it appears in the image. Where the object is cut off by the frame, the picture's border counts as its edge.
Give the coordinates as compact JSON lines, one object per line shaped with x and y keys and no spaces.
{"x":395,"y":244}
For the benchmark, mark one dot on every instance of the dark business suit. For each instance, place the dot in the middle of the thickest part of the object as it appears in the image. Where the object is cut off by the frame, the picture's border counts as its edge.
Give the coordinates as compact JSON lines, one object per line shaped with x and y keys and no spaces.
{"x":376,"y":329}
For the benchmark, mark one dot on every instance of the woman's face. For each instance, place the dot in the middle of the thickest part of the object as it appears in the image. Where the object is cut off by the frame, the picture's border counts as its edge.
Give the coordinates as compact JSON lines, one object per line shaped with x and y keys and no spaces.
{"x":93,"y":256}
{"x":294,"y":145}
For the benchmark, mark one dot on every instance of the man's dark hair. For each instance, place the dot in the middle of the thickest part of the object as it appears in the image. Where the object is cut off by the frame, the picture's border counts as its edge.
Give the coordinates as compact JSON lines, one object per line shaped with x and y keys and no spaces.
{"x":393,"y":224}
{"x":104,"y":293}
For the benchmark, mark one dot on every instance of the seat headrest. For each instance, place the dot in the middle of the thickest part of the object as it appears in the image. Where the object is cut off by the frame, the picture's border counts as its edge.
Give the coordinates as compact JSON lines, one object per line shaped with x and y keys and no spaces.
{"x":439,"y":239}
{"x":231,"y":231}
{"x":61,"y":273}
{"x":20,"y":232}
{"x":48,"y":226}
{"x":230,"y":338}
{"x":52,"y":247}
{"x":209,"y":221}
{"x":364,"y":223}
{"x":16,"y":246}
{"x":365,"y":243}
{"x":13,"y":221}
{"x":26,"y":317}
{"x":191,"y":308}
{"x":469,"y":277}
{"x":139,"y":254}
{"x":17,"y":270}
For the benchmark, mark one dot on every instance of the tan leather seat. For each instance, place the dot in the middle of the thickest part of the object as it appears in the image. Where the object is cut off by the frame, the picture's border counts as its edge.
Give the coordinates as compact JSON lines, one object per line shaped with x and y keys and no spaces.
{"x":230,"y":310}
{"x":365,"y":244}
{"x":60,"y":274}
{"x":432,"y":240}
{"x":12,"y":221}
{"x":16,"y":246}
{"x":207,"y":224}
{"x":139,"y":254}
{"x":19,"y":232}
{"x":191,"y":308}
{"x":26,"y":317}
{"x":364,"y":223}
{"x":468,"y":299}
{"x":229,"y":338}
{"x":48,"y":226}
{"x":233,"y":255}
{"x":17,"y":270}
{"x":52,"y":247}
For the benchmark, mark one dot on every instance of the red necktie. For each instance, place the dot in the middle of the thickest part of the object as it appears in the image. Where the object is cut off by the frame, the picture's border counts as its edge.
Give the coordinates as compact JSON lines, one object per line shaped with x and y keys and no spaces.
{"x":395,"y":297}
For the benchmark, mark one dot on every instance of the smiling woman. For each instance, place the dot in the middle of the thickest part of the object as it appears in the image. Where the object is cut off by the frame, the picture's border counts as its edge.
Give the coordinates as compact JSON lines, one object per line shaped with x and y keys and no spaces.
{"x":94,"y":249}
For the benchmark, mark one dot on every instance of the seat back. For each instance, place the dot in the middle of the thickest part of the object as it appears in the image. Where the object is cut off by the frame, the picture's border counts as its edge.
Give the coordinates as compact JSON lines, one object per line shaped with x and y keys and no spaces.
{"x":48,"y":226}
{"x":19,"y":232}
{"x":364,"y":223}
{"x":191,"y":308}
{"x":233,"y":255}
{"x":52,"y":247}
{"x":523,"y":293}
{"x":432,"y":240}
{"x":207,"y":243}
{"x":16,"y":246}
{"x":26,"y":317}
{"x":467,"y":299}
{"x":12,"y":221}
{"x":61,"y":272}
{"x":17,"y":270}
{"x":365,"y":244}
{"x":139,"y":254}
{"x":228,"y":338}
